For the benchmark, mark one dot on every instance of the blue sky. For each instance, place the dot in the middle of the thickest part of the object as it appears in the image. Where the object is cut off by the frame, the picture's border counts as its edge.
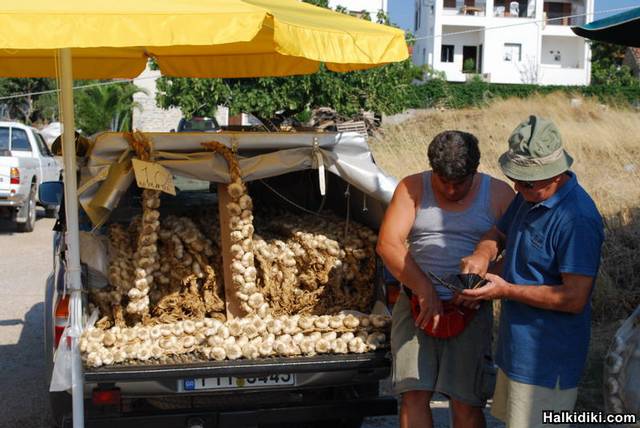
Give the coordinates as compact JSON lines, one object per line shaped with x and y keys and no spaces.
{"x":401,"y":11}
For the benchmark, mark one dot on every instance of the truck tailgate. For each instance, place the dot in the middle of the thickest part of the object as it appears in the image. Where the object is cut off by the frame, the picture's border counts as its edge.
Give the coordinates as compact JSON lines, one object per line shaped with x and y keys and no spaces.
{"x":4,"y":177}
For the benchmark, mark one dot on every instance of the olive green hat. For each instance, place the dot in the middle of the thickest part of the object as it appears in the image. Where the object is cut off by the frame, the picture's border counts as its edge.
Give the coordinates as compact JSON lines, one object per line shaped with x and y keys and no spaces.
{"x":535,"y":151}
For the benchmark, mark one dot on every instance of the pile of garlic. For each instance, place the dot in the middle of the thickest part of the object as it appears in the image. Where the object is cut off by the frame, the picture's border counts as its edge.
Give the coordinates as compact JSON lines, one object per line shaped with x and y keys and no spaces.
{"x":249,"y":337}
{"x":307,"y":265}
{"x":188,"y":285}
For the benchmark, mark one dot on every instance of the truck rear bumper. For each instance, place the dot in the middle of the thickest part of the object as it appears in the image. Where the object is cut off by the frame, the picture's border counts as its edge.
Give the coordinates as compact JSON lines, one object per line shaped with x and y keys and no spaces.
{"x":11,"y":200}
{"x":327,"y":388}
{"x":336,"y":410}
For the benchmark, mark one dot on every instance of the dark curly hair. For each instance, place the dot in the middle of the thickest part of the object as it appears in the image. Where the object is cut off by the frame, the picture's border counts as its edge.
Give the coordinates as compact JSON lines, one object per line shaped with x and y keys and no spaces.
{"x":454,"y":155}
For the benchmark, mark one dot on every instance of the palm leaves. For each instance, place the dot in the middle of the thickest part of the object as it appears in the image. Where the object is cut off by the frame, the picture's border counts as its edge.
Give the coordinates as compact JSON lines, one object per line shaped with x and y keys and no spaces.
{"x":106,"y":107}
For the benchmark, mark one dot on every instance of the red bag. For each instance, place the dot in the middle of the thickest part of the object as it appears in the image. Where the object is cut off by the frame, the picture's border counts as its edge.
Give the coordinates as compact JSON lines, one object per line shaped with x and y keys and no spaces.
{"x":453,"y":320}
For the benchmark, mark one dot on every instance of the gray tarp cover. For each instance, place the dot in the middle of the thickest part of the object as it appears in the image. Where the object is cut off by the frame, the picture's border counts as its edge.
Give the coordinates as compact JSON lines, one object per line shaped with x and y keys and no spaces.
{"x":107,"y":173}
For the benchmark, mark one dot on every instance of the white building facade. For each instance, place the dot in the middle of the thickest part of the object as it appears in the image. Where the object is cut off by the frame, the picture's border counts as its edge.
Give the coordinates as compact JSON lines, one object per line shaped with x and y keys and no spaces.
{"x":524,"y":41}
{"x":151,"y":118}
{"x":358,"y":6}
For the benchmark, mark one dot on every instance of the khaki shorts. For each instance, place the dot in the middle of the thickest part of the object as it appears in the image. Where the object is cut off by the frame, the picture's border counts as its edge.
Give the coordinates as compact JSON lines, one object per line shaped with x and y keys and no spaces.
{"x":460,"y":367}
{"x":520,"y":405}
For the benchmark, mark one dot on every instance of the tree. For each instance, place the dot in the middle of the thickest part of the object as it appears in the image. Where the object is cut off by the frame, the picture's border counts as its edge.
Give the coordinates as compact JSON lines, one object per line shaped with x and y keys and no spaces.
{"x":607,"y":67}
{"x":320,"y":3}
{"x":106,"y":107}
{"x":385,"y":89}
{"x":29,"y":108}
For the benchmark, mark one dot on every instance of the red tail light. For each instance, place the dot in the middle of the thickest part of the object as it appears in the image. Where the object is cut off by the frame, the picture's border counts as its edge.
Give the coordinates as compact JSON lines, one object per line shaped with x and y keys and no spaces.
{"x":61,"y":318}
{"x":393,"y":290}
{"x":14,"y":176}
{"x":106,"y":397}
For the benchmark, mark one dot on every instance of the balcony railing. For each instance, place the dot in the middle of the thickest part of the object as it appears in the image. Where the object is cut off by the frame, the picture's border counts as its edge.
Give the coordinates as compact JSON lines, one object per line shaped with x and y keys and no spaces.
{"x":562,"y":19}
{"x":514,"y":9}
{"x":464,"y":7}
{"x":561,"y":13}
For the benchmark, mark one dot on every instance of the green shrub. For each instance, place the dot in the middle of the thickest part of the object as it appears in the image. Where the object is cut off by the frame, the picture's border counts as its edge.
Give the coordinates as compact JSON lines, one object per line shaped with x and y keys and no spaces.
{"x":477,"y":93}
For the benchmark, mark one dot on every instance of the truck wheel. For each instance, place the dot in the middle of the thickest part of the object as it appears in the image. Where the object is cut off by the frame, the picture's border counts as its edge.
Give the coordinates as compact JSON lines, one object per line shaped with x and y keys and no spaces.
{"x":60,"y":407}
{"x":30,"y":206}
{"x":51,"y":212}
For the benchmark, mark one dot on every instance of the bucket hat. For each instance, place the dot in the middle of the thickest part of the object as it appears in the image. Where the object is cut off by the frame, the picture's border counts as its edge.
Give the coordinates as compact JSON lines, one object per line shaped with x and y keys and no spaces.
{"x":535,"y":151}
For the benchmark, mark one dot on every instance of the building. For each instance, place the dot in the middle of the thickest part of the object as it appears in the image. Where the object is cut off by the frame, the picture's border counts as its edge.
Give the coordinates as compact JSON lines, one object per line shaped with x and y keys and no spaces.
{"x":356,"y":7}
{"x":524,"y":41}
{"x":151,"y":118}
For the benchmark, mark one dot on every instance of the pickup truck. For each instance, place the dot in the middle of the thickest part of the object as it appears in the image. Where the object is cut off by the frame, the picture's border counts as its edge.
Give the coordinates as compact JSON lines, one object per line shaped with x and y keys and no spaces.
{"x":337,"y":390}
{"x":25,"y":163}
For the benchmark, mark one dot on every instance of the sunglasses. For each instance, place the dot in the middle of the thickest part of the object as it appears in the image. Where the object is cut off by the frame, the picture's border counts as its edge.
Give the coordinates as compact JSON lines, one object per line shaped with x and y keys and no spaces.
{"x":526,"y":184}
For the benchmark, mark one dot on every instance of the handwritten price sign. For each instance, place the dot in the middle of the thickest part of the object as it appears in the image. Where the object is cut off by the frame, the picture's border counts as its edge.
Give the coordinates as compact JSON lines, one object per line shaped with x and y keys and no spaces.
{"x":153,"y":176}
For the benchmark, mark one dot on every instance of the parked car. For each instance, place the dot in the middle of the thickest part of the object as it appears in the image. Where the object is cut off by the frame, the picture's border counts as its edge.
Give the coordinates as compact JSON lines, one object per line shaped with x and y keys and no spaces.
{"x":25,"y":163}
{"x":198,"y":124}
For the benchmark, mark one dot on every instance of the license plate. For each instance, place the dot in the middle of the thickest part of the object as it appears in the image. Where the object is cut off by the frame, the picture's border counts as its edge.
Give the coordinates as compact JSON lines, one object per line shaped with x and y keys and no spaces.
{"x":233,"y":382}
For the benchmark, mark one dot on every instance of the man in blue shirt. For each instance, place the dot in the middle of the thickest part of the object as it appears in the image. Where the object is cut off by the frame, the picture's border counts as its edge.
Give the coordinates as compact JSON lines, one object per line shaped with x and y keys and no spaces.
{"x":552,"y":235}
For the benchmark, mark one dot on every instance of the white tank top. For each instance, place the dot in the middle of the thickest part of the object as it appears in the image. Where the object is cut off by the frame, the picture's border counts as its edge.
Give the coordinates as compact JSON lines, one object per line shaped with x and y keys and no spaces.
{"x":440,"y":238}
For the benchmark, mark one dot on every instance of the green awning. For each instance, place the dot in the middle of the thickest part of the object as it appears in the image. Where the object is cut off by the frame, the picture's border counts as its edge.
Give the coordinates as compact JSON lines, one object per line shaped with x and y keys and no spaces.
{"x":622,"y":29}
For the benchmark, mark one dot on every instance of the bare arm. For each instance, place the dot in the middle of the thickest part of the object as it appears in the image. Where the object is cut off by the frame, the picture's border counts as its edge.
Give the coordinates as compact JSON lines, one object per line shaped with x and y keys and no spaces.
{"x":501,"y":196}
{"x":486,"y":251}
{"x":571,"y":296}
{"x":396,"y":225}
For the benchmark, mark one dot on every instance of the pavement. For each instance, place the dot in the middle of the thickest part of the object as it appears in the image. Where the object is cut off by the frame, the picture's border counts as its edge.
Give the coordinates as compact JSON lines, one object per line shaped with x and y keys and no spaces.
{"x":25,"y":263}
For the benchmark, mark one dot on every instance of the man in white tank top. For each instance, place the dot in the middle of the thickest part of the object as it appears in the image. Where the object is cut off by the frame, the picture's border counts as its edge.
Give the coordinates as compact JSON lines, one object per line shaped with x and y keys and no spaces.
{"x":440,"y":214}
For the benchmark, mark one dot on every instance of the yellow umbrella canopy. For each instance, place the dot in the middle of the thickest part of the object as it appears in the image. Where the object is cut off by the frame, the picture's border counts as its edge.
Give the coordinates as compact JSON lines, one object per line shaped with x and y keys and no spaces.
{"x":190,"y":38}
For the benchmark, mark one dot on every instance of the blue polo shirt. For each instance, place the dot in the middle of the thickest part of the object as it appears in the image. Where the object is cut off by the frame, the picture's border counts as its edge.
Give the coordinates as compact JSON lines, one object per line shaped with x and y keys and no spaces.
{"x":563,"y":234}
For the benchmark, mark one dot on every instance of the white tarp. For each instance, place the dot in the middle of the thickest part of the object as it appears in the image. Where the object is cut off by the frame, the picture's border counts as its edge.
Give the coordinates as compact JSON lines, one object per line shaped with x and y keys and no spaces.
{"x":107,"y":173}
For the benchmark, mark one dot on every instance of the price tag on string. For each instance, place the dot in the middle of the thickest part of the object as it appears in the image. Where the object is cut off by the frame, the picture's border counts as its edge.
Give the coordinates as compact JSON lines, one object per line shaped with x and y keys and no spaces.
{"x":153,"y":176}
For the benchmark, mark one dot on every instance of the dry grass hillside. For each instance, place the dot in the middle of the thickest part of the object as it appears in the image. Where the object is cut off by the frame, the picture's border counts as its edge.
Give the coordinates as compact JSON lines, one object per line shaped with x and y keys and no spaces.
{"x":605,"y":144}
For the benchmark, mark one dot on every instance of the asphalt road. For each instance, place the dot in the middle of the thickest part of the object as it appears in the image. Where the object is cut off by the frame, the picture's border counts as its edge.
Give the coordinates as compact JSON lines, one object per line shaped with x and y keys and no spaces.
{"x":25,"y":263}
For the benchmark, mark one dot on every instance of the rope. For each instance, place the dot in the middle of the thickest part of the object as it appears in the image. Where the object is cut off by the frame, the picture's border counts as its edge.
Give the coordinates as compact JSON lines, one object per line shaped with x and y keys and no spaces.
{"x":301,"y":208}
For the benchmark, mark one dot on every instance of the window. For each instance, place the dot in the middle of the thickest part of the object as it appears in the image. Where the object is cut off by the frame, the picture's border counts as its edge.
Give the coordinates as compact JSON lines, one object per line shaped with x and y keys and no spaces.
{"x":446,"y":53}
{"x":42,"y":146}
{"x":19,"y":141}
{"x":450,"y":4}
{"x":4,"y":139}
{"x":512,"y":52}
{"x":418,"y":17}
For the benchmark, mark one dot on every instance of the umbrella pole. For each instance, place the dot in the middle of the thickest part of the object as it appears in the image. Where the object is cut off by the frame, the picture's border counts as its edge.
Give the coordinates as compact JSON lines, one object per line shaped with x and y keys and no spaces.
{"x":72,"y":235}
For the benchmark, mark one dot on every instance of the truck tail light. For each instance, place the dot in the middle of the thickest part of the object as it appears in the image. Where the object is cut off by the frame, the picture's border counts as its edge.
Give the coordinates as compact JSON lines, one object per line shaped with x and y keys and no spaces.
{"x":14,"y":176}
{"x":106,"y":397}
{"x":61,"y":318}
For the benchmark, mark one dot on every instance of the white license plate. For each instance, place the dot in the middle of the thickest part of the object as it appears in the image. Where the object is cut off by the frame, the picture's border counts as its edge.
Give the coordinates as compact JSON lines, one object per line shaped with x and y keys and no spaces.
{"x":233,"y":382}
